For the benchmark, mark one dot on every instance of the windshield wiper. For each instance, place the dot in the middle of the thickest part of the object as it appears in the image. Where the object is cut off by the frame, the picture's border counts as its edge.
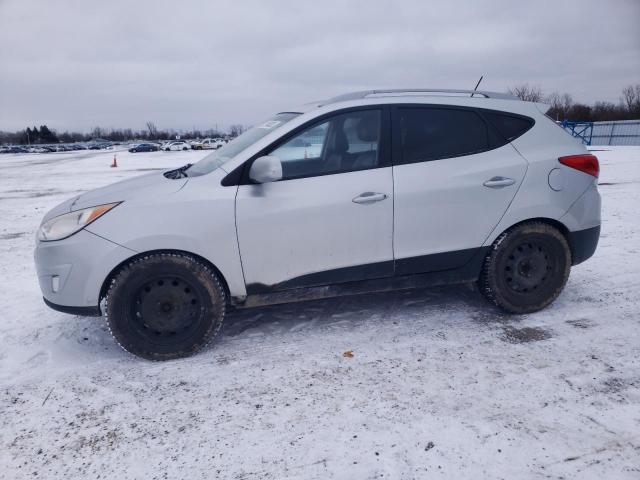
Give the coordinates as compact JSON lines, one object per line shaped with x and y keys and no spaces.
{"x":178,"y":172}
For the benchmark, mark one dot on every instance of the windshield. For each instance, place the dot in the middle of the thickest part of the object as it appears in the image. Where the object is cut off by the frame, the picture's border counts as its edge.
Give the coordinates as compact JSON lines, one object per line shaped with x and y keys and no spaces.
{"x":238,"y":144}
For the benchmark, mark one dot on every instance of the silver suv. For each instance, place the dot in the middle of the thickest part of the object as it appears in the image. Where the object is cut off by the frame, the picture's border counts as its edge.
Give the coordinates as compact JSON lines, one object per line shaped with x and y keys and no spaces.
{"x":370,"y":191}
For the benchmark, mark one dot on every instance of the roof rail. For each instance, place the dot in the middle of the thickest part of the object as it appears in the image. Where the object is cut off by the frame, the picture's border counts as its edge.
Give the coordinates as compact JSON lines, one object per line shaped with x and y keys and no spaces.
{"x":426,"y":91}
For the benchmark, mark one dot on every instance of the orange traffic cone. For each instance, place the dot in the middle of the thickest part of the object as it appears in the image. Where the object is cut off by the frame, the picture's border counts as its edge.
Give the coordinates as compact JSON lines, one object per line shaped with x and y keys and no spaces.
{"x":115,"y":162}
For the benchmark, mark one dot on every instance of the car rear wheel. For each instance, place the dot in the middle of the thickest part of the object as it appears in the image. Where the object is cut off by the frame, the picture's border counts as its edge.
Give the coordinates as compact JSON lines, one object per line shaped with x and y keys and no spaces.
{"x":164,"y":306}
{"x":527,"y":268}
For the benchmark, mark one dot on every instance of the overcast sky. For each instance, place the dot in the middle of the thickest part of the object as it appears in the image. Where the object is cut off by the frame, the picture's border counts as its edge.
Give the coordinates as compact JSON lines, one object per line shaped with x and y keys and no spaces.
{"x":111,"y":63}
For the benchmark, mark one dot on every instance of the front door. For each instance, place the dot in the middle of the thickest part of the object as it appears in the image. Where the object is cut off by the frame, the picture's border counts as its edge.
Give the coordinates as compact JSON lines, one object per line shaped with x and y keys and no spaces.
{"x":330,"y":219}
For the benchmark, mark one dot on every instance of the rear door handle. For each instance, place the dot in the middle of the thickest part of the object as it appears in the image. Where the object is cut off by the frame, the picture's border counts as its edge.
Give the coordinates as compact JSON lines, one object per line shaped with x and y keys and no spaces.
{"x":369,"y":197}
{"x":499,"y":182}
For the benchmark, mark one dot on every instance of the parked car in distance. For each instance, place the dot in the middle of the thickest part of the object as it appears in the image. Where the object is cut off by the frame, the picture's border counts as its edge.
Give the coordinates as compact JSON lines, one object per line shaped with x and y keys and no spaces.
{"x":99,"y":146}
{"x":176,"y":145}
{"x":41,"y":149}
{"x":15,"y":149}
{"x":366,"y":192}
{"x":144,"y":147}
{"x":208,"y":144}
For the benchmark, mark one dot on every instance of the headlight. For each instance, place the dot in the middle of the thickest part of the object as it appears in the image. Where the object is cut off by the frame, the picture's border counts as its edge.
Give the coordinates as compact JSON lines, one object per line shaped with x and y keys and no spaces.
{"x":64,"y":226}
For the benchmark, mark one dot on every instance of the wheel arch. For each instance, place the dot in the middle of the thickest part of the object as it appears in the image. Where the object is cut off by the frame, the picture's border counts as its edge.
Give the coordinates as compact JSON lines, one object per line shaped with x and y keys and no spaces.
{"x":550,"y":221}
{"x":561,"y":227}
{"x":114,"y":272}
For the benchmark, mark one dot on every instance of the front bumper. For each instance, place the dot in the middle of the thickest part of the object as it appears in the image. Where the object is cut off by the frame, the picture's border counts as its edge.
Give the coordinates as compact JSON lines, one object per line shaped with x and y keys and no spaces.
{"x":71,"y":272}
{"x":81,"y":311}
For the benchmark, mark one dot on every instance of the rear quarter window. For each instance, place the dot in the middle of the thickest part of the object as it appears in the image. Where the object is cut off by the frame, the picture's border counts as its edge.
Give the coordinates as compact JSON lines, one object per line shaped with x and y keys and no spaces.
{"x":509,"y":126}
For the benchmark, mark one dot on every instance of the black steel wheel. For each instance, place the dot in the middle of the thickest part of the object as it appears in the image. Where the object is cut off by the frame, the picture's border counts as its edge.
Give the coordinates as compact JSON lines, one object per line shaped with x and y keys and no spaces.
{"x":165,"y":306}
{"x":527,"y":268}
{"x":529,"y":265}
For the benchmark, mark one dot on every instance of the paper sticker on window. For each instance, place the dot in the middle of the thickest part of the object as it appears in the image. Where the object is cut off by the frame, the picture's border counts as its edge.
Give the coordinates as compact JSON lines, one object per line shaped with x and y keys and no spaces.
{"x":270,"y":124}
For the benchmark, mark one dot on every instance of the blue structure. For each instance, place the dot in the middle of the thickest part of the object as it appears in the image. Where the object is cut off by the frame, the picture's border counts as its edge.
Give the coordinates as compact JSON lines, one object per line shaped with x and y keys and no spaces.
{"x":581,"y":130}
{"x":624,"y":132}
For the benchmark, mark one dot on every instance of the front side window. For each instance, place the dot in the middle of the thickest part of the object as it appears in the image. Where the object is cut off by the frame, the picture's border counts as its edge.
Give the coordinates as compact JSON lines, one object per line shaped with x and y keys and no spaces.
{"x":437,"y":133}
{"x":343,"y":143}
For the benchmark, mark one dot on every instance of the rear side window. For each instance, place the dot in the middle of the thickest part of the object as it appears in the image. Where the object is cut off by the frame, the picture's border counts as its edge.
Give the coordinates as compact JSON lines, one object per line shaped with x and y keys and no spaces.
{"x":509,"y":126}
{"x":437,"y":133}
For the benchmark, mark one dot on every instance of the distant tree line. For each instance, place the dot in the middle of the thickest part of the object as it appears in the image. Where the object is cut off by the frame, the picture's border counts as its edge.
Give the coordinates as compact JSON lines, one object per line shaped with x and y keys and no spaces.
{"x":33,"y":135}
{"x":564,"y":108}
{"x":44,"y":135}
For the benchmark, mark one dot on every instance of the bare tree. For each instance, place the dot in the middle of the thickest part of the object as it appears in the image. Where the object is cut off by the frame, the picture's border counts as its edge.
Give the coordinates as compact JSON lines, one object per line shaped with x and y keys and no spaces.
{"x":235,"y":130}
{"x":153,"y":131}
{"x":631,"y":99}
{"x":560,"y":105}
{"x":527,"y":93}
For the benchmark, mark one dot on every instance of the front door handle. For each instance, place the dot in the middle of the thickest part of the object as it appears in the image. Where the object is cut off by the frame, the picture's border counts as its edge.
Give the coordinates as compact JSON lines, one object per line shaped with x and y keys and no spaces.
{"x":499,"y":182}
{"x":369,"y":197}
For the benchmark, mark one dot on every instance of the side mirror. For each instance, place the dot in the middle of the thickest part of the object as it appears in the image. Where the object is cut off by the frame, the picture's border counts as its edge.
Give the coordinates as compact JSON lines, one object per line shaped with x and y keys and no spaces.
{"x":266,"y":169}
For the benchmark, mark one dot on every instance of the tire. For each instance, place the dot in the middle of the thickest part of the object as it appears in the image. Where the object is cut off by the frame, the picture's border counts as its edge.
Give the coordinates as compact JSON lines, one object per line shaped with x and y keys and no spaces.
{"x":185,"y":149}
{"x":527,"y":268}
{"x":164,"y":306}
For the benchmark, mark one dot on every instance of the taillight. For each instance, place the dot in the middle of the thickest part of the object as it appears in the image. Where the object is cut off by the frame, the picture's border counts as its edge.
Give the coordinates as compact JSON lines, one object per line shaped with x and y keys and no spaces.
{"x":586,"y":163}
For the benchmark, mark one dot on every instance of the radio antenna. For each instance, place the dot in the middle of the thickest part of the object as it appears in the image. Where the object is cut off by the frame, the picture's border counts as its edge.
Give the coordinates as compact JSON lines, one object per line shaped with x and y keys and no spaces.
{"x":477,"y":84}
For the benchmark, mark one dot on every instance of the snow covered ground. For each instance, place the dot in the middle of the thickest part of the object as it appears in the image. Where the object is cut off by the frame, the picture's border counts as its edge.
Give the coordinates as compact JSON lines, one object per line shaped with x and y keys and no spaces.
{"x":440,"y":385}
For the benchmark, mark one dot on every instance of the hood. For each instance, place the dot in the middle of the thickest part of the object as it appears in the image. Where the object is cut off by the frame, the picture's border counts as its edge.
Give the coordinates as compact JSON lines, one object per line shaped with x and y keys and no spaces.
{"x":151,"y":184}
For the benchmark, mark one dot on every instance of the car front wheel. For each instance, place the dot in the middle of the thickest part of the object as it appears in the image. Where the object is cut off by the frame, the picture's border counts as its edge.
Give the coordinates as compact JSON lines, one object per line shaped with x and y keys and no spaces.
{"x":164,"y":306}
{"x":527,"y":268}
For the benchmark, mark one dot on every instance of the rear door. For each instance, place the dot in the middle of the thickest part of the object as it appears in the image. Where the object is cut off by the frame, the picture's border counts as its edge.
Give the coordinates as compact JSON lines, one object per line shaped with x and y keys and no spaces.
{"x":454,"y":178}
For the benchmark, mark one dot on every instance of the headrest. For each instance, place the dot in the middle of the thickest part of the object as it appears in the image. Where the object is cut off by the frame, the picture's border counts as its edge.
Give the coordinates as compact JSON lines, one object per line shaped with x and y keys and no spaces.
{"x":368,"y":128}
